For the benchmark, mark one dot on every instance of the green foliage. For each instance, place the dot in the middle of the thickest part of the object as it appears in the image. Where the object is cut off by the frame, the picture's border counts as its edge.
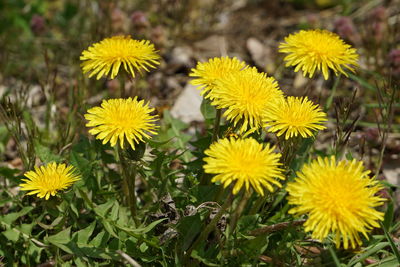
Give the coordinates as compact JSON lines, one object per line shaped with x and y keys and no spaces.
{"x":93,"y":223}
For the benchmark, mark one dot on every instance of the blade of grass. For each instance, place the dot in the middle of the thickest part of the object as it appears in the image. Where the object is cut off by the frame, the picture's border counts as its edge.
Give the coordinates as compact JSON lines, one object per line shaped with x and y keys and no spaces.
{"x":391,"y":242}
{"x":334,"y":256}
{"x":332,"y":95}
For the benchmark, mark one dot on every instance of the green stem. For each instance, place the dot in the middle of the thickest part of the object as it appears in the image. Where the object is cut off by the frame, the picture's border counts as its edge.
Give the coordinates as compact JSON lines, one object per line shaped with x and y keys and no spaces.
{"x":122,"y":87}
{"x":216,"y":125}
{"x":211,"y":226}
{"x":257,"y":205}
{"x":239,"y":209}
{"x":334,"y":256}
{"x":275,"y":227}
{"x":219,"y":194}
{"x":129,"y":184}
{"x":204,"y":179}
{"x":133,"y":91}
{"x":332,"y":95}
{"x":289,"y":149}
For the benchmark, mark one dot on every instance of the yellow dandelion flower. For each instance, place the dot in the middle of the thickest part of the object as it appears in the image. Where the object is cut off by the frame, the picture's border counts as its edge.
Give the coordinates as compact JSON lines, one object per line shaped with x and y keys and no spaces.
{"x":107,"y":56}
{"x":207,"y":73}
{"x":318,"y":50}
{"x":45,"y":181}
{"x":244,"y":161}
{"x":121,"y":119}
{"x":296,"y":116}
{"x":339,"y":198}
{"x":247,"y":96}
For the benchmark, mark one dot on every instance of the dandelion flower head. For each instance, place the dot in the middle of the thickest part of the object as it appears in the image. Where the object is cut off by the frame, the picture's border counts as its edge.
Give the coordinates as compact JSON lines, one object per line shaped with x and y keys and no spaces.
{"x":245,"y":162}
{"x":296,"y":116}
{"x":207,"y":73}
{"x":339,"y":198}
{"x":106,"y":57}
{"x":246,"y":97}
{"x":320,"y":50}
{"x":121,"y":120}
{"x":46,"y":181}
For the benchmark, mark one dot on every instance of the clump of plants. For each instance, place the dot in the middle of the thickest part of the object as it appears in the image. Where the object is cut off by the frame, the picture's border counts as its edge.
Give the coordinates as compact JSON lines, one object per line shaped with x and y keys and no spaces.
{"x":249,"y":190}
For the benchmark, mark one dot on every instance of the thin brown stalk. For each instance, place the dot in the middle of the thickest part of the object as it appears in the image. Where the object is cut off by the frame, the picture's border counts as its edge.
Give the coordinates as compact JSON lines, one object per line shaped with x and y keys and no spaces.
{"x":275,"y":227}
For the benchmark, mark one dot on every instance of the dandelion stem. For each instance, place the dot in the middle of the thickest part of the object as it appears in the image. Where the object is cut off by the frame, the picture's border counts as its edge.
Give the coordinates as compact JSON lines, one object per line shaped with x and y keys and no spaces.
{"x":333,"y":92}
{"x":334,"y":256}
{"x":257,"y":205}
{"x":133,"y":90}
{"x":216,"y":125}
{"x":275,"y":227}
{"x":122,"y":87}
{"x":204,"y":234}
{"x":239,"y":209}
{"x":204,"y":177}
{"x":129,"y":182}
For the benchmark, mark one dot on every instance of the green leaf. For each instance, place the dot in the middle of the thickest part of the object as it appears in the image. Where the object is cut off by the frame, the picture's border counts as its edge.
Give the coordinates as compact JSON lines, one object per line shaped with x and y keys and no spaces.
{"x":86,"y":198}
{"x":177,"y":124}
{"x":8,"y":173}
{"x":349,"y":156}
{"x":84,"y":234}
{"x":10,"y":218}
{"x":82,"y":164}
{"x":189,"y":227}
{"x":390,"y":261}
{"x":45,"y":154}
{"x":34,"y":251}
{"x":387,"y":222}
{"x":202,"y":143}
{"x":100,"y":239}
{"x":114,"y":211}
{"x":149,"y":227}
{"x":26,"y":228}
{"x":143,"y":247}
{"x":364,"y":83}
{"x":204,"y":193}
{"x":62,"y":237}
{"x":140,"y":230}
{"x":157,"y":144}
{"x":368,"y":252}
{"x":79,"y":262}
{"x":209,"y":112}
{"x":195,"y":254}
{"x":109,"y":228}
{"x":175,"y":130}
{"x":5,"y":200}
{"x":102,"y":209}
{"x":248,"y":222}
{"x":11,"y":235}
{"x":389,"y":238}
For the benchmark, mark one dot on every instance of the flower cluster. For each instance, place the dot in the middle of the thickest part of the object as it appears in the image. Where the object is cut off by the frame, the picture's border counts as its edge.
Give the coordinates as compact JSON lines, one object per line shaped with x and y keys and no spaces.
{"x":116,"y":120}
{"x":338,"y":197}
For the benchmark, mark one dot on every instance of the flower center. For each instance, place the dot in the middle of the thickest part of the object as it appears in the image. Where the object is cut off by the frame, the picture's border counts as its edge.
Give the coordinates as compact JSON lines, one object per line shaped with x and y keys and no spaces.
{"x":245,"y":164}
{"x":341,"y":200}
